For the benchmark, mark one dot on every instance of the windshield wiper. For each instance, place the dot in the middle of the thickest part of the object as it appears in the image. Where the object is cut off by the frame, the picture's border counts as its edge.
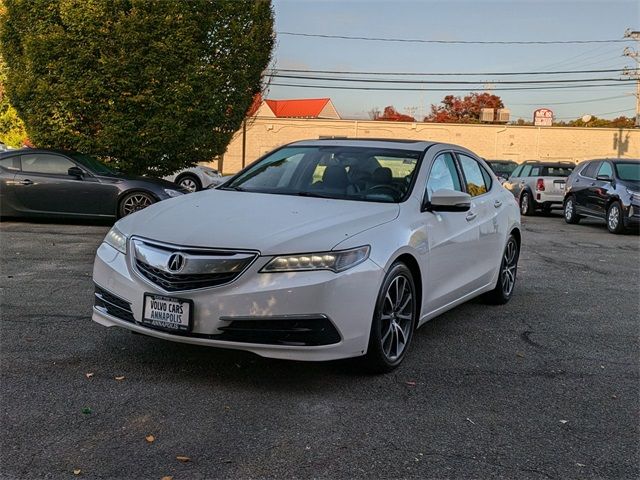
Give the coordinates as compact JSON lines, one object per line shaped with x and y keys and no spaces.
{"x":237,"y":189}
{"x":316,"y":194}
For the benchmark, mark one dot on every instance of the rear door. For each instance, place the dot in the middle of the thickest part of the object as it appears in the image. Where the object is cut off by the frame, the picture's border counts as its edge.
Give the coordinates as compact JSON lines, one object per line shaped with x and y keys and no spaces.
{"x":518,"y":186}
{"x":582,"y":187}
{"x":486,"y":203}
{"x":8,"y":168}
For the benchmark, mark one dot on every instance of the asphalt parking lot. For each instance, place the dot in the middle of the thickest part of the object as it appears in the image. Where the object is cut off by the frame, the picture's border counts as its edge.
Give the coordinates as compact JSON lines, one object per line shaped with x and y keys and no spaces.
{"x":544,"y":387}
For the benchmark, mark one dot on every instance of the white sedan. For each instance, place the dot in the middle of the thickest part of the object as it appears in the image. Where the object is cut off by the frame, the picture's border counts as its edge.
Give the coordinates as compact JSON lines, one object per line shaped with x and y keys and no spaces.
{"x":194,"y":179}
{"x":321,"y":250}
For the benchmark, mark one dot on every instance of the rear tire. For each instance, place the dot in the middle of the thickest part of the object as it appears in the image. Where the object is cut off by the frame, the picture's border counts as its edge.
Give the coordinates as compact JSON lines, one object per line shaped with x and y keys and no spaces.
{"x":615,"y":222}
{"x":507,"y":276}
{"x":190,"y":182}
{"x":570,"y":215}
{"x":527,"y":207}
{"x":394,"y":321}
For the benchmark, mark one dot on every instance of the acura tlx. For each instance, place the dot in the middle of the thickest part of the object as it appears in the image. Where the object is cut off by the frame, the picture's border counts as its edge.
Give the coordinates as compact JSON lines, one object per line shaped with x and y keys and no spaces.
{"x":320,"y":250}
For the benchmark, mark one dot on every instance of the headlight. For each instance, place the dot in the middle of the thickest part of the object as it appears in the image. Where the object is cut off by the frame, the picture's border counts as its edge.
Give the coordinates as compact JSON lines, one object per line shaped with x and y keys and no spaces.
{"x":337,"y":261}
{"x":634,"y":195}
{"x":172,"y":193}
{"x":117,"y":240}
{"x":211,"y":173}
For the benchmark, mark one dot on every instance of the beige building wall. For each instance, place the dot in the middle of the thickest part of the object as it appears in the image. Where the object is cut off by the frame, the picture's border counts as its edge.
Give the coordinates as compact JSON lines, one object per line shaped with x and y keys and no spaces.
{"x":489,"y":141}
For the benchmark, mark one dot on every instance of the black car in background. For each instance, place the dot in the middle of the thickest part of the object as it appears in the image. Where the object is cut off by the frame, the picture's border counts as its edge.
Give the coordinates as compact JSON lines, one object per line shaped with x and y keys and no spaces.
{"x":608,"y":189}
{"x":48,"y":183}
{"x":502,"y":168}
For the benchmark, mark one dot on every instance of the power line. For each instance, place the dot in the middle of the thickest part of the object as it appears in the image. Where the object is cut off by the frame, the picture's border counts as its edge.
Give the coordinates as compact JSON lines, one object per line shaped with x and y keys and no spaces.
{"x":476,"y":42}
{"x":291,"y":70}
{"x":340,"y":87}
{"x":446,"y":82}
{"x":599,"y":114}
{"x":569,"y":103}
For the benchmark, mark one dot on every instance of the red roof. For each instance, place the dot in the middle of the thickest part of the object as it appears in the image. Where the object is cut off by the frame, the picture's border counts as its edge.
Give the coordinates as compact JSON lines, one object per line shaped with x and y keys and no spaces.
{"x":304,"y":108}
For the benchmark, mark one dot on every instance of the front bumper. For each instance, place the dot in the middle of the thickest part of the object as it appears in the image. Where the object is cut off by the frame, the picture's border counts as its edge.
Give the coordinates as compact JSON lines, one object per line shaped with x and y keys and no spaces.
{"x":346,"y":300}
{"x":631,"y":215}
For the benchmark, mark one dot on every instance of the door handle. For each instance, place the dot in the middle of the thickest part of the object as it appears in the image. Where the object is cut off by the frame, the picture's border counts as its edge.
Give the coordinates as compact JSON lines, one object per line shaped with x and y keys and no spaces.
{"x":497,"y":204}
{"x":470,"y":216}
{"x":593,"y":184}
{"x":26,"y":181}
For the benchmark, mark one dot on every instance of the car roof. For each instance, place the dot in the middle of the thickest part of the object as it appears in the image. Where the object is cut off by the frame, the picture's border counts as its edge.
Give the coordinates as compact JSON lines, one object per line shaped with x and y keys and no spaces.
{"x":613,"y":160}
{"x":33,"y":150}
{"x":414,"y":145}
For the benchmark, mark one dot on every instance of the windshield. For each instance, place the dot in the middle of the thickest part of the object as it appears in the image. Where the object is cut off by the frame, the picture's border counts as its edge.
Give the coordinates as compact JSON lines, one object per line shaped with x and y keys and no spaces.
{"x":92,"y":163}
{"x":629,"y":171}
{"x":503,"y":167}
{"x":349,"y":173}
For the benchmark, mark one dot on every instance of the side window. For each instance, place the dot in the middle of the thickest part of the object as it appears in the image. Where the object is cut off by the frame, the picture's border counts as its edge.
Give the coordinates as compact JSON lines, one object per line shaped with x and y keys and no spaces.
{"x":11,"y":163}
{"x":475,"y":180}
{"x":526,"y":171}
{"x":590,"y":170}
{"x":46,"y":163}
{"x":535,"y":171}
{"x":605,"y":169}
{"x":443,"y":175}
{"x":516,"y":172}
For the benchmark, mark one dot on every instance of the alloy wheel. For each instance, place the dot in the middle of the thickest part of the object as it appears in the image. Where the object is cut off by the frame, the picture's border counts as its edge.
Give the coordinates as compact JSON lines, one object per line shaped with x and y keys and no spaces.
{"x":524,"y":204}
{"x":568,"y":210}
{"x":189,"y":184}
{"x":396,"y":317}
{"x":136,"y":202}
{"x":509,"y":266}
{"x":614,"y":217}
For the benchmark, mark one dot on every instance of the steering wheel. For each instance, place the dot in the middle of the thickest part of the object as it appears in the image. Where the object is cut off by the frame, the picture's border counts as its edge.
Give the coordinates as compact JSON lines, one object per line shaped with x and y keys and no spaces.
{"x":390,"y":188}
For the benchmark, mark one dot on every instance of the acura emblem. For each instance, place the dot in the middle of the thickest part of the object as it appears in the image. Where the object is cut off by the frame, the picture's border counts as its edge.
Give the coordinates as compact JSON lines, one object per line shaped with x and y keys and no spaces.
{"x":175,"y":262}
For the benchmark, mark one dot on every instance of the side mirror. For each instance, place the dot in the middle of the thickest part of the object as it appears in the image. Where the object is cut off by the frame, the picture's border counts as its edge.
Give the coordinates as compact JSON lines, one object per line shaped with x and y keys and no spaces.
{"x":604,"y":178}
{"x":75,"y":172}
{"x":449,"y":201}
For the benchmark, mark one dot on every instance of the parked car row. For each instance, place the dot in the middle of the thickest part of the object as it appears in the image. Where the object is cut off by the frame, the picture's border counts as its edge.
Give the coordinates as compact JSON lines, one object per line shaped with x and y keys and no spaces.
{"x":48,"y":183}
{"x":607,"y":189}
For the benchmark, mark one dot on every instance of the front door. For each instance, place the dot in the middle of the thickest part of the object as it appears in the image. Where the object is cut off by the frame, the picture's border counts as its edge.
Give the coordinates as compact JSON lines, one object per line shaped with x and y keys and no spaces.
{"x":451,"y":237}
{"x":44,"y":186}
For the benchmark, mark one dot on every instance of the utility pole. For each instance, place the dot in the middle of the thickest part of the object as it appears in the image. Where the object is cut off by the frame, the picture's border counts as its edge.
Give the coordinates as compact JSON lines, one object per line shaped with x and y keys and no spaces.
{"x":634,"y":72}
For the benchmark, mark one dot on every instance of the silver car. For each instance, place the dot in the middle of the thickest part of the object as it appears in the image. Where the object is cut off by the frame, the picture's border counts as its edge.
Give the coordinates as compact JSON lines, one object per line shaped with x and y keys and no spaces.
{"x":196,"y":178}
{"x":539,"y":185}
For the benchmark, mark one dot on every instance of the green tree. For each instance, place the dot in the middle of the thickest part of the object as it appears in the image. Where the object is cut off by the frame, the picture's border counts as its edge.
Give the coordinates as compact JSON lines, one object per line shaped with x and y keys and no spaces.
{"x":154,"y":85}
{"x":12,"y":132}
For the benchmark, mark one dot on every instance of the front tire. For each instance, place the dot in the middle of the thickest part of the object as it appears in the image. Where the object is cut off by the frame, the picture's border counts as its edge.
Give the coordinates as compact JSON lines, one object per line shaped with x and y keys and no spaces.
{"x":570,"y":215}
{"x":507,"y":276}
{"x":394,"y":320}
{"x":134,"y":202}
{"x":527,"y":207}
{"x":615,"y":223}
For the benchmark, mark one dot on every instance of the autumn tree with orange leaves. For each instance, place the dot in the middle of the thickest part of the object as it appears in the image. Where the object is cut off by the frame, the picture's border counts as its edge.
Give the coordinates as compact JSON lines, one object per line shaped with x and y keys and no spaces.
{"x":463,"y":109}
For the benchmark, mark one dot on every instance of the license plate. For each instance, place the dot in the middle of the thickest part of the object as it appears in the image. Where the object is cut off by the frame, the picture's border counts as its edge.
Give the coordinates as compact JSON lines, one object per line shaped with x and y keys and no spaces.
{"x":167,"y":313}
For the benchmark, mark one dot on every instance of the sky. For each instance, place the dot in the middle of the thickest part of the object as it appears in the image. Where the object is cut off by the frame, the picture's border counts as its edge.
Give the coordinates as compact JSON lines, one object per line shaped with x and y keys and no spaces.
{"x":511,"y":20}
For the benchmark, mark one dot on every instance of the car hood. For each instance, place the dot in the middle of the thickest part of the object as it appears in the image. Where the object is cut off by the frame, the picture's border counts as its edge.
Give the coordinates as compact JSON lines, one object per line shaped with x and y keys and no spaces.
{"x":630,"y":184}
{"x":271,"y":224}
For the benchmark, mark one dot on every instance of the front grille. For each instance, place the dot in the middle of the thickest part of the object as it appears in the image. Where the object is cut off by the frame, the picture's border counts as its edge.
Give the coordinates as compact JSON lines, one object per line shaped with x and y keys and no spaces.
{"x":112,"y":305}
{"x":177,"y":268}
{"x":299,"y":332}
{"x":174,"y":282}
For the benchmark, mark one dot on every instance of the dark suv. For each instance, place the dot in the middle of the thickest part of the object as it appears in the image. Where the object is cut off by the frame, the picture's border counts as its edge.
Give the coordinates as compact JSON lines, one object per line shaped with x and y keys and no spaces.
{"x":608,"y":189}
